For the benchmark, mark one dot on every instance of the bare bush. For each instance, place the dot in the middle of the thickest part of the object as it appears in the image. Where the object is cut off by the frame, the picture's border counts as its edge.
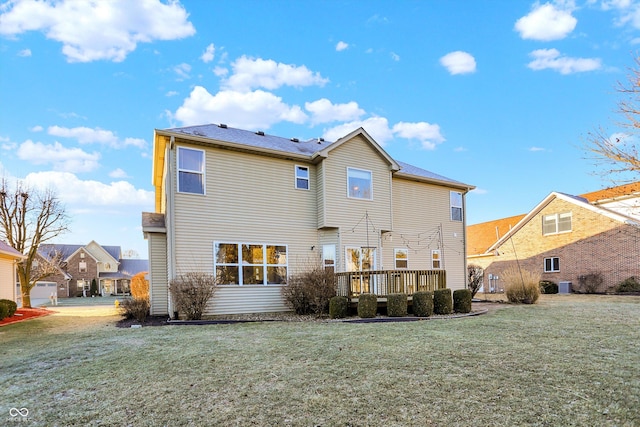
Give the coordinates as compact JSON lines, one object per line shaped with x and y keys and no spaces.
{"x":136,"y":308}
{"x":475,"y":275}
{"x":310,"y":292}
{"x":191,"y":292}
{"x":590,"y":283}
{"x":521,"y":286}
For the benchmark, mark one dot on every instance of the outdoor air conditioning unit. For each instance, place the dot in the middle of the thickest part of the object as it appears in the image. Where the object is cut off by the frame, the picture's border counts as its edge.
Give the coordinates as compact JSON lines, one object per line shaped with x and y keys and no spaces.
{"x":564,"y":287}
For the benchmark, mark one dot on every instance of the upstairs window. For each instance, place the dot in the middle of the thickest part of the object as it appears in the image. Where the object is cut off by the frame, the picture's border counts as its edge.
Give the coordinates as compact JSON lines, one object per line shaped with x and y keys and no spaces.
{"x":82,"y":267}
{"x":302,"y":177}
{"x":456,"y":205}
{"x":359,"y":184}
{"x":190,"y":171}
{"x":556,"y":223}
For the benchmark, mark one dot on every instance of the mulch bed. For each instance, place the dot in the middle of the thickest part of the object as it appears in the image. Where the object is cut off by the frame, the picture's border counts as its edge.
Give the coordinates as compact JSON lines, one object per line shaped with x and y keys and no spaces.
{"x":25,"y":314}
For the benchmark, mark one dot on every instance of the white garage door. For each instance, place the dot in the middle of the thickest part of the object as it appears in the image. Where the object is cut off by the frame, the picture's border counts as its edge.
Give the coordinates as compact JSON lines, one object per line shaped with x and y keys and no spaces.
{"x":43,"y":289}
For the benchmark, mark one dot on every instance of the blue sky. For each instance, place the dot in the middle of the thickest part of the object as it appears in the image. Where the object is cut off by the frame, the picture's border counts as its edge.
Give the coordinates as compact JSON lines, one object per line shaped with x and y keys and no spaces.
{"x":497,"y":94}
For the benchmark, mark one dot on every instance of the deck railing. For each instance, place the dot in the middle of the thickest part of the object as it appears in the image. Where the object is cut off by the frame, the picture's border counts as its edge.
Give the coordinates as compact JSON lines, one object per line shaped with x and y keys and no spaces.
{"x":385,"y":282}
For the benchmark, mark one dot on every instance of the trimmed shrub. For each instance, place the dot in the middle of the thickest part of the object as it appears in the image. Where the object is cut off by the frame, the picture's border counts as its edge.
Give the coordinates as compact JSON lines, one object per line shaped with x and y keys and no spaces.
{"x":94,"y":288}
{"x":423,"y":304}
{"x":442,"y":301}
{"x":462,"y":300}
{"x":590,"y":283}
{"x":309,"y":292}
{"x":397,"y":305}
{"x":191,"y":292}
{"x":140,"y":286}
{"x":136,"y":308}
{"x":338,"y":307}
{"x":521,"y":286}
{"x":628,"y":285}
{"x":12,"y":307}
{"x":367,"y":306}
{"x":548,"y":287}
{"x":4,"y":311}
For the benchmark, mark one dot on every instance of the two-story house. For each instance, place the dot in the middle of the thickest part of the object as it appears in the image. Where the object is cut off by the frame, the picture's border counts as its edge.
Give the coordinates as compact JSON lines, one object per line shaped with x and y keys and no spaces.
{"x":254,"y":209}
{"x":565,"y":238}
{"x":79,"y":265}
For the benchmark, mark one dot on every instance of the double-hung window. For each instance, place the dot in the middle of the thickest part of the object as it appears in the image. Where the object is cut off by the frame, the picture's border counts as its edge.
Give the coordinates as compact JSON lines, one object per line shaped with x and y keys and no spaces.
{"x":556,"y":223}
{"x":190,"y":170}
{"x":302,"y":177}
{"x":401,"y":258}
{"x":456,"y":205}
{"x":551,"y":265}
{"x":436,"y":259}
{"x":359,"y":184}
{"x":250,"y":264}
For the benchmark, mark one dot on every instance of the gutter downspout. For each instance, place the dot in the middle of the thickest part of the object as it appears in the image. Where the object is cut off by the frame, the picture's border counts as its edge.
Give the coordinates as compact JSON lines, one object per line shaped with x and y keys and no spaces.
{"x":169,"y":217}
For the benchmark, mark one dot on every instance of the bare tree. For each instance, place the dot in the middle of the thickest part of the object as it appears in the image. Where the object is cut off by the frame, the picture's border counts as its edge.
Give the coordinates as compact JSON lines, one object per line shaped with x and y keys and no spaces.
{"x":618,"y":153}
{"x":475,"y":275}
{"x":29,"y":218}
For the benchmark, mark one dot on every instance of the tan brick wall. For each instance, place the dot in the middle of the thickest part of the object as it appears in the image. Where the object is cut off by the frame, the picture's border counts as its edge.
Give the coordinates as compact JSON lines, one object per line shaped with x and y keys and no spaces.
{"x":73,"y":268}
{"x":596,"y":244}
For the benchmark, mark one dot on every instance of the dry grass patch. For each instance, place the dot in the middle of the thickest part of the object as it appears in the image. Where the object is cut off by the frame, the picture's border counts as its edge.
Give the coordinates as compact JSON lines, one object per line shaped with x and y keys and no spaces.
{"x":561,"y":362}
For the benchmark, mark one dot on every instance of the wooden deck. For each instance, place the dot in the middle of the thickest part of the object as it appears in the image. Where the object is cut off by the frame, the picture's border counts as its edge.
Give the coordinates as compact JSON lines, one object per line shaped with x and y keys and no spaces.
{"x":384,"y":282}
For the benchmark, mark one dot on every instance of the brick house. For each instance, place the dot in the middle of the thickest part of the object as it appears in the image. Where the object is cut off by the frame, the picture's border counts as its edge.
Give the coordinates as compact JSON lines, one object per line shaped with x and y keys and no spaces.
{"x":81,"y":264}
{"x":565,"y":238}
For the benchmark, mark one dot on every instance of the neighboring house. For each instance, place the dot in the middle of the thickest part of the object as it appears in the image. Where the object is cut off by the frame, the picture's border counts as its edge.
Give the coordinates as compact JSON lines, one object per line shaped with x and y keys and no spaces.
{"x":255,"y":209}
{"x":8,"y":278}
{"x":80,"y":264}
{"x":565,"y":238}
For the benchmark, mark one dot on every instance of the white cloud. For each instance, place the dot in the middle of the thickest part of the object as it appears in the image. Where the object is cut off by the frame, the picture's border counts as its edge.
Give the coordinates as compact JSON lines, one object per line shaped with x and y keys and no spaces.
{"x":323,"y":111}
{"x":171,"y":93}
{"x":247,"y":110}
{"x":546,"y":22}
{"x":377,"y":127}
{"x":61,"y":158}
{"x":86,"y":135}
{"x":395,"y":56}
{"x":342,"y":46}
{"x":220,"y":71}
{"x":208,"y":54}
{"x":535,"y":149}
{"x":479,"y":191}
{"x":37,"y":128}
{"x":77,"y":192}
{"x":459,"y":62}
{"x":251,"y":73}
{"x":102,"y":30}
{"x":629,"y":11}
{"x":182,"y":70}
{"x":118,"y":173}
{"x":428,"y":134}
{"x":552,"y":59}
{"x":25,"y":53}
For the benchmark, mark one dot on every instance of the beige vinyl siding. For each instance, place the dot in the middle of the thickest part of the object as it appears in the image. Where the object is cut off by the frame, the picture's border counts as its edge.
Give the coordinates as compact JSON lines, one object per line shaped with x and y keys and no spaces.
{"x":422,"y":211}
{"x":344,"y":212}
{"x":249,"y":199}
{"x":7,"y":279}
{"x":158,"y":294}
{"x":320,"y":195}
{"x":247,"y":299}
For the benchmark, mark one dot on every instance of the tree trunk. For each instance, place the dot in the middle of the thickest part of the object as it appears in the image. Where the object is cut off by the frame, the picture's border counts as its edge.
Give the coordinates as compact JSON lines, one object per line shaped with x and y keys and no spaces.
{"x":26,"y":297}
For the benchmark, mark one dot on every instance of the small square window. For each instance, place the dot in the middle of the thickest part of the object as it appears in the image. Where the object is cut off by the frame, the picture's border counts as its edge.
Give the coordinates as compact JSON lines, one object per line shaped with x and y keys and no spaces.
{"x":435,"y":259}
{"x":551,"y":265}
{"x":302,"y":177}
{"x":401,"y":257}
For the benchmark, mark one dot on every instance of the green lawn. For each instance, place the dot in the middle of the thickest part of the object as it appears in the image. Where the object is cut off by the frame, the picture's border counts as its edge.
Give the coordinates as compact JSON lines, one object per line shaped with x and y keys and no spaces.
{"x":565,"y":361}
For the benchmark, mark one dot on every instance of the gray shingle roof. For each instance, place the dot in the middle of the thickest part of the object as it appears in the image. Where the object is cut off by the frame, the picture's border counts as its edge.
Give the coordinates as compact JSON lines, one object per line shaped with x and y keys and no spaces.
{"x":277,"y":143}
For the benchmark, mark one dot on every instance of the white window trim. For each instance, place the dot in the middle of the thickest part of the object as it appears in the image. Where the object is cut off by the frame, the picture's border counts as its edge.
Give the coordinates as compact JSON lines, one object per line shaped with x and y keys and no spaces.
{"x":395,"y":258}
{"x":461,"y":207}
{"x":204,"y":168}
{"x":557,"y":223}
{"x":439,"y":252}
{"x":325,"y":259}
{"x":240,"y":263}
{"x":374,"y":264}
{"x":552,"y":270}
{"x":307,"y":178}
{"x":370,"y":183}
